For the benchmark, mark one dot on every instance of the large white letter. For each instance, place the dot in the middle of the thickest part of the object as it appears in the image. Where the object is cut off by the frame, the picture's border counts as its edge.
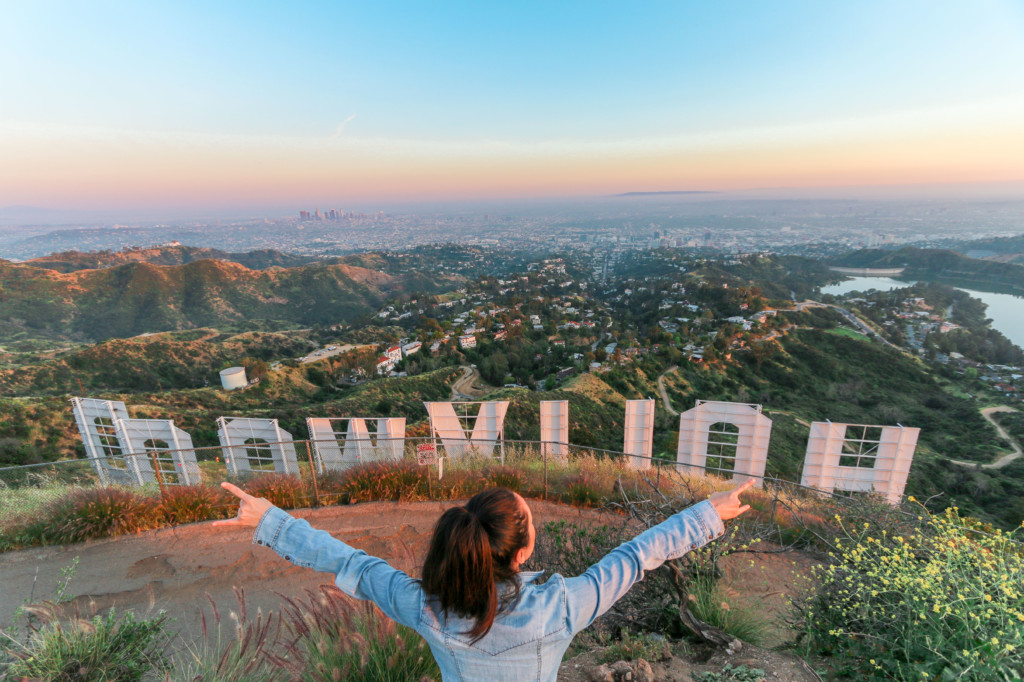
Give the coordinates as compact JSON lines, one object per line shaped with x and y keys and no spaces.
{"x":734,"y":434}
{"x":858,"y":457}
{"x":246,"y":442}
{"x":638,"y":439}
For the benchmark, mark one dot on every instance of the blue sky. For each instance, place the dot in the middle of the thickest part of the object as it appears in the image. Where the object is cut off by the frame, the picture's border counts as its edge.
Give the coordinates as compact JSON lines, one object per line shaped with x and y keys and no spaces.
{"x":461,"y":80}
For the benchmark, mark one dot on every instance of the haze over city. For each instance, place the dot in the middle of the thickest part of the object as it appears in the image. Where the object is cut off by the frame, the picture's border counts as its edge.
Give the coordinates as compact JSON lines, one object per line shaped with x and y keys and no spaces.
{"x":186,"y":107}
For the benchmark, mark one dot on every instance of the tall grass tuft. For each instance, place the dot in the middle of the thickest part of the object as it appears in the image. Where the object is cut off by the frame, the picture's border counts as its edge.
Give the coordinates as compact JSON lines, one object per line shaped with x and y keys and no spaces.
{"x":282,"y":490}
{"x":708,"y":603}
{"x":189,"y":504}
{"x":583,"y":490}
{"x":387,"y":481}
{"x":248,"y":656}
{"x":504,"y":477}
{"x":104,"y":649}
{"x":101,"y":512}
{"x":342,"y":640}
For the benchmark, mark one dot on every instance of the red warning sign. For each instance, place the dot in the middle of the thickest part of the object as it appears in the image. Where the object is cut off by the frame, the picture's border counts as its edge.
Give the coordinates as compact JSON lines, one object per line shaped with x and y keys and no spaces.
{"x":426,"y":453}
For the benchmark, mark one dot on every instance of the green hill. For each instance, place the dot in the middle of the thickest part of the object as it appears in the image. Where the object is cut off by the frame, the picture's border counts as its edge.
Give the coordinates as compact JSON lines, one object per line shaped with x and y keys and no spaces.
{"x":72,"y":261}
{"x":941,"y":265}
{"x":134,"y":298}
{"x":166,"y":361}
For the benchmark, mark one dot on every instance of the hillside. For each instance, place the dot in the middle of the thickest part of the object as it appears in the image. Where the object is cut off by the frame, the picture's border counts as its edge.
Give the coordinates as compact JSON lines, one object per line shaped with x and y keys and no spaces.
{"x":1003,"y":249}
{"x":134,"y":298}
{"x":941,"y":265}
{"x":72,"y":261}
{"x":174,"y":360}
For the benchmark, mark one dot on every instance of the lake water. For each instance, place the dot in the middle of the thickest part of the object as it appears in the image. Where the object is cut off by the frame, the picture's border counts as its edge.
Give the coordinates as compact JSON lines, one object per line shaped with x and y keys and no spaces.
{"x":1006,"y":310}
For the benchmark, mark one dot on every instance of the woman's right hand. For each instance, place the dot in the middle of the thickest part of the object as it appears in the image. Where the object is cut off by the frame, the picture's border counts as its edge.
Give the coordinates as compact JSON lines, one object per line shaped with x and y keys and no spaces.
{"x":727,"y":502}
{"x":250,"y":510}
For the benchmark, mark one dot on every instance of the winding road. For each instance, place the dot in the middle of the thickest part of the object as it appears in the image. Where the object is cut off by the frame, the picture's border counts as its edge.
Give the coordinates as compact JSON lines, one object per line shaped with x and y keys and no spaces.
{"x":463,"y":388}
{"x":664,"y":394}
{"x":1014,"y":445}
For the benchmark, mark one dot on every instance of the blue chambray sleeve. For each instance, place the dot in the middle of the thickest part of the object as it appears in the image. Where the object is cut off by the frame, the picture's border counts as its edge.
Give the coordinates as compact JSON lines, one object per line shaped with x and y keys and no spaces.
{"x":356,"y":573}
{"x":593,"y":593}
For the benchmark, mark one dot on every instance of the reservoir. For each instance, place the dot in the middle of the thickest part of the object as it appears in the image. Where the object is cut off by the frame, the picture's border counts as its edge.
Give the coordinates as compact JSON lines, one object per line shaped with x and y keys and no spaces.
{"x":1005,"y":310}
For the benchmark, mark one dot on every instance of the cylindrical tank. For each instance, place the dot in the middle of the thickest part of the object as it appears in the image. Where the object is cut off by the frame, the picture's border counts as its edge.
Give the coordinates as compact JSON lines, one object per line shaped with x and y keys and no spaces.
{"x":233,"y":377}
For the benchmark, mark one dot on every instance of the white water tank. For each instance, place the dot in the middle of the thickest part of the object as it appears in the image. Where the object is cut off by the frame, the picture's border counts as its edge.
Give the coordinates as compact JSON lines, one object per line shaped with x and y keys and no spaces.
{"x":233,"y":377}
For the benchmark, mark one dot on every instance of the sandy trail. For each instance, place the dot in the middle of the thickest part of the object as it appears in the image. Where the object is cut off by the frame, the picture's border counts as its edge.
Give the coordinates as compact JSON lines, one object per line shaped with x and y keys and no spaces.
{"x":174,"y":568}
{"x":1014,"y":445}
{"x":664,"y":393}
{"x":467,"y":386}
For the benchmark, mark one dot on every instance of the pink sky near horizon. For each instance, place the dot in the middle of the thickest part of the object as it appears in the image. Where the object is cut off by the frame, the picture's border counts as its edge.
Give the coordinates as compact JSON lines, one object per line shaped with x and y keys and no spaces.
{"x":102,"y":169}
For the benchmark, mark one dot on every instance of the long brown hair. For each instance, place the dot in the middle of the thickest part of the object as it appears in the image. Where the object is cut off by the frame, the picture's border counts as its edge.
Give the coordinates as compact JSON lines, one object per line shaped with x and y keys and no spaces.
{"x":471,"y":550}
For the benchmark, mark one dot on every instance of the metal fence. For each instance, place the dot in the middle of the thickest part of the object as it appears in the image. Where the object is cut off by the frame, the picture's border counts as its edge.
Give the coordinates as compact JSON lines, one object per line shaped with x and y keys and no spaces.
{"x":316,"y":467}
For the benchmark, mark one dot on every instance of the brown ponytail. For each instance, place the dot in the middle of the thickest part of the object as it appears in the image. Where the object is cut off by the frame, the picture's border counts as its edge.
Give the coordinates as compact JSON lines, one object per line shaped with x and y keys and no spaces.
{"x":471,"y":550}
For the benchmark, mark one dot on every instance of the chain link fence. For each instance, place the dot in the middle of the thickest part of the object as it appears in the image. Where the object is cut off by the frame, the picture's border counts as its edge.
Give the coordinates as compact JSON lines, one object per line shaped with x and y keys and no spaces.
{"x":315,"y":473}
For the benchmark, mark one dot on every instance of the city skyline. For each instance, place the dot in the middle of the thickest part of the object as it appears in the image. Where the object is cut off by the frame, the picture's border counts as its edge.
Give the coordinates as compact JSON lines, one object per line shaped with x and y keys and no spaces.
{"x":185,"y":105}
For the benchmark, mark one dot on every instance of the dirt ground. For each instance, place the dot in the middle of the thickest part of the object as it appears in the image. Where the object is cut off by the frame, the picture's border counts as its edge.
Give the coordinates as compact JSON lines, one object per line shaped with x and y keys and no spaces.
{"x":174,"y":569}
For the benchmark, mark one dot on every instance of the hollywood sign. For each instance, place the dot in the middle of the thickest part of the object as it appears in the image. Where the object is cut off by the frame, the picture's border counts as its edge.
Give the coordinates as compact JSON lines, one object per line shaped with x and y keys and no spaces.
{"x":728,"y":438}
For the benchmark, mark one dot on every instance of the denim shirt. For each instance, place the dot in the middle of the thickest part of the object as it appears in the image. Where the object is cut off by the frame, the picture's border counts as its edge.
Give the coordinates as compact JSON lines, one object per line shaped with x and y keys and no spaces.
{"x":527,"y":641}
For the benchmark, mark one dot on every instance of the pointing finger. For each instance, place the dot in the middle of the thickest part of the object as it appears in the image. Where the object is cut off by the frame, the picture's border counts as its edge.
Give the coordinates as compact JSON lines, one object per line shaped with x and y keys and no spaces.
{"x":228,"y":522}
{"x":746,"y":484}
{"x":235,"y":490}
{"x":742,"y":509}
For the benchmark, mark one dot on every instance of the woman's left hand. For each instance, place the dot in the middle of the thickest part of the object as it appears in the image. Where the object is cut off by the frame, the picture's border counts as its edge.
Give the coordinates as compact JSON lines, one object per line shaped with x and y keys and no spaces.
{"x":250,"y":510}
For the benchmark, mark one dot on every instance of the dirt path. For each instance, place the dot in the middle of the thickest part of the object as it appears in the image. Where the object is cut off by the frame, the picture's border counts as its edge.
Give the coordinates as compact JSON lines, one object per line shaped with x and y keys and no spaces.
{"x":464,"y":388}
{"x":798,"y":420}
{"x":664,"y":393}
{"x":1014,"y":445}
{"x":175,"y":568}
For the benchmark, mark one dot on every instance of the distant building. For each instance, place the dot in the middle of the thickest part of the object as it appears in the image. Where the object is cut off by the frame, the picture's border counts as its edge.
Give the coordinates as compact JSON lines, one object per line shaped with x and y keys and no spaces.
{"x":394,"y":353}
{"x":410,"y":348}
{"x":384,"y":364}
{"x":467,"y":341}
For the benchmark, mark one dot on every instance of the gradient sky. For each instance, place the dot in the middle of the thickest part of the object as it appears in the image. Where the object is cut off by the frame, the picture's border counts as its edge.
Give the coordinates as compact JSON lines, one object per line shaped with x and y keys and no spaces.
{"x":159,"y":103}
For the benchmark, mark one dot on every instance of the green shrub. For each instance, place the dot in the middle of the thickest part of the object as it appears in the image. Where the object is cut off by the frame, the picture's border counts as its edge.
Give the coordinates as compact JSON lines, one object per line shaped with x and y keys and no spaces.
{"x":99,"y":513}
{"x":104,"y":649}
{"x":504,"y":477}
{"x":941,"y":602}
{"x":583,"y":490}
{"x":707,"y":603}
{"x":282,"y":490}
{"x":633,"y":647}
{"x":340,"y":639}
{"x":189,"y":504}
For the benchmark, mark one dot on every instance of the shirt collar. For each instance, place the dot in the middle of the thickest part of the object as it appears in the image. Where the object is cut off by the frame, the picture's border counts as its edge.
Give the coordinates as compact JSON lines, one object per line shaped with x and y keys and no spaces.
{"x":528,"y":577}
